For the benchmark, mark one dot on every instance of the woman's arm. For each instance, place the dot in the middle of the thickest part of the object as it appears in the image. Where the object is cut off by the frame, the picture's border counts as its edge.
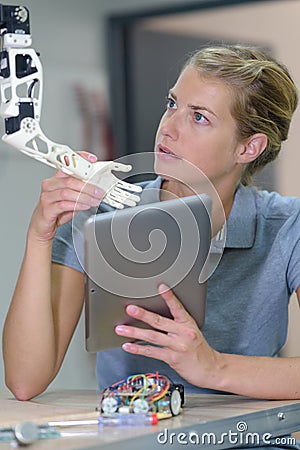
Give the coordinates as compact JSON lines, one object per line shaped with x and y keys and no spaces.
{"x":48,"y":297}
{"x":184,"y":348}
{"x":40,"y":323}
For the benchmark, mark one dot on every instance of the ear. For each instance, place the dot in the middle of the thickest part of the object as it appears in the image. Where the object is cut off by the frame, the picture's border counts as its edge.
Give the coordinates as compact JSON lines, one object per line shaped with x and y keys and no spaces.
{"x":252,"y":148}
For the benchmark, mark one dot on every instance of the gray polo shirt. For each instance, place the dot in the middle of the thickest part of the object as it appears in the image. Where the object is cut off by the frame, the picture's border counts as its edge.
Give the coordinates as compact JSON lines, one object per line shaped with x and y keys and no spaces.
{"x":248,"y":293}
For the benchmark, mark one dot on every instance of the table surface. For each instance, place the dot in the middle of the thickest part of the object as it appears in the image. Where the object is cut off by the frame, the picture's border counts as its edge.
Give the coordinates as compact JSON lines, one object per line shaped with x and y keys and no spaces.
{"x":207,"y":416}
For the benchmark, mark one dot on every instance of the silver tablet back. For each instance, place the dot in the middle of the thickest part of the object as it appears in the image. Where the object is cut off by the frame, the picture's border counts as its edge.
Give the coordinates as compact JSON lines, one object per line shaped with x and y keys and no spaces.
{"x":129,"y":252}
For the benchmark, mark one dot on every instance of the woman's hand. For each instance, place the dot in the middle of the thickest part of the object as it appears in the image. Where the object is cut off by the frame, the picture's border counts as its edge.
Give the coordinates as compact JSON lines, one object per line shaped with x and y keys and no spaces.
{"x":61,"y":196}
{"x":177,"y":341}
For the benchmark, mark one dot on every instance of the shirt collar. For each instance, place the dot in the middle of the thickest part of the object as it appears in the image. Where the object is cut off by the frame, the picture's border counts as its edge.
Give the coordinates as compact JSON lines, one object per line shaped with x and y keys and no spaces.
{"x":241,"y":223}
{"x":151,"y":191}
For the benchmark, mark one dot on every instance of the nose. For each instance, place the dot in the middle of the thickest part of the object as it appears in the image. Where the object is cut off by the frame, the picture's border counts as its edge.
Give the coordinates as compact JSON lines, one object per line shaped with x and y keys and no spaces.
{"x":169,"y":125}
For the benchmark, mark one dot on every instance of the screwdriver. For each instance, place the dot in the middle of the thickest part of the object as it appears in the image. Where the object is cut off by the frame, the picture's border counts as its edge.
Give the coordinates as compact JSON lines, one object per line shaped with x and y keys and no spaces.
{"x":117,"y":420}
{"x":26,"y":433}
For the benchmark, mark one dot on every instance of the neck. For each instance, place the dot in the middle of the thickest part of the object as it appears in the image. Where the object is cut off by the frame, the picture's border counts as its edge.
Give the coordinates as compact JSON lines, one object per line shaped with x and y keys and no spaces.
{"x":222,"y":198}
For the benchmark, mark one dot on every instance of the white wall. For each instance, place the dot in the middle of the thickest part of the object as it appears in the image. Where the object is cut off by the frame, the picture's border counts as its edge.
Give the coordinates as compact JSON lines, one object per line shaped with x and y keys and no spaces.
{"x":70,"y":35}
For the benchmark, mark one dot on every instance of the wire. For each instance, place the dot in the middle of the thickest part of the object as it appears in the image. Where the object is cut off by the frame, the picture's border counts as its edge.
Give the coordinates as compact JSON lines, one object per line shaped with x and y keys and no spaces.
{"x":150,"y":387}
{"x":30,"y":89}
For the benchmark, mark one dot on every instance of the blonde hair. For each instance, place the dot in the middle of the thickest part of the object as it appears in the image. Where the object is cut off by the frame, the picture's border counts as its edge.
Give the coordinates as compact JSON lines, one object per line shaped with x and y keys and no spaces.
{"x":265,"y":96}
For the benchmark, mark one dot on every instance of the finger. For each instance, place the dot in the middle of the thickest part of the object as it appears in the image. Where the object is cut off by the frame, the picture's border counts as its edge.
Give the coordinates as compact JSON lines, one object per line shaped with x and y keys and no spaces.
{"x":88,"y":156}
{"x":60,"y":174}
{"x":147,"y":350}
{"x":130,"y":186}
{"x":121,"y":167}
{"x":66,"y":216}
{"x":176,"y":308}
{"x":57,"y":182}
{"x":146,"y":335}
{"x":67,"y":196}
{"x":150,"y":318}
{"x":58,"y":210}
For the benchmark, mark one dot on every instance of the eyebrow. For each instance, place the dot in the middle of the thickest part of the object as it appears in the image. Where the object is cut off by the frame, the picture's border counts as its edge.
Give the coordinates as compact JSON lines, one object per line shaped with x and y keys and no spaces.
{"x":194,"y":107}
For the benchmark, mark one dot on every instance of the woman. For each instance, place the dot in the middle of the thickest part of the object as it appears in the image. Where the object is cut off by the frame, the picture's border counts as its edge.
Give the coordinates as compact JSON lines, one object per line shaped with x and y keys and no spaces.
{"x":227,"y":115}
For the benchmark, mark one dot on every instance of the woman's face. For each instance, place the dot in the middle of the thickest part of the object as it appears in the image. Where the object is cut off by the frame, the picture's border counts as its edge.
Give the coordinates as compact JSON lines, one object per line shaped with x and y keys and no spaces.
{"x":197,"y":128}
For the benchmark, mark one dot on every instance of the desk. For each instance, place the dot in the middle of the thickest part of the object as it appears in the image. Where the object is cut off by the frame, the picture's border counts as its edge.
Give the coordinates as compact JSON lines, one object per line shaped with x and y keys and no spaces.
{"x":221,"y":419}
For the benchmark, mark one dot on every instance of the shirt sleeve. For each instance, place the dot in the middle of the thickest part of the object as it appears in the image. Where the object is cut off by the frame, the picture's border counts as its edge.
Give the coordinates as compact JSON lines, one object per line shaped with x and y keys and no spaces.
{"x":293,"y":270}
{"x":68,"y":244}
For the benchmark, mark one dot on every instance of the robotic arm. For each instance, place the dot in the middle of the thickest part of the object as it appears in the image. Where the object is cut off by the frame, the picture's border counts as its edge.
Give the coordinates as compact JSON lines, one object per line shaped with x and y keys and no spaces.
{"x":21,"y":88}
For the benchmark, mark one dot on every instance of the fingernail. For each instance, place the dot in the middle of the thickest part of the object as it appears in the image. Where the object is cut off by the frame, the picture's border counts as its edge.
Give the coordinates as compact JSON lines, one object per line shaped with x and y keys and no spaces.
{"x":126,"y":346}
{"x":163,"y":288}
{"x":92,"y":158}
{"x":120,"y":329}
{"x":98,"y":192}
{"x":94,"y":201}
{"x":132,"y":309}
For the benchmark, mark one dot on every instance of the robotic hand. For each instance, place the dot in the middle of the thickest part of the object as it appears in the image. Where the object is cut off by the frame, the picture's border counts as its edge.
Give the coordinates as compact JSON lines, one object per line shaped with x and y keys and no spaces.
{"x":21,"y":87}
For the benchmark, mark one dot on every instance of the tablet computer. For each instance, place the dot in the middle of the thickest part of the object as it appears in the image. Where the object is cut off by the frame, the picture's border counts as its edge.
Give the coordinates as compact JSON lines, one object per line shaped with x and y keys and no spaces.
{"x":129,"y":252}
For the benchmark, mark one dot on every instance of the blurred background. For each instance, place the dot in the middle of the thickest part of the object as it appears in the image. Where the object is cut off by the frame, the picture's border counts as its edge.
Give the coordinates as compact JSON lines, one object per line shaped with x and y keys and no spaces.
{"x":107,"y":69}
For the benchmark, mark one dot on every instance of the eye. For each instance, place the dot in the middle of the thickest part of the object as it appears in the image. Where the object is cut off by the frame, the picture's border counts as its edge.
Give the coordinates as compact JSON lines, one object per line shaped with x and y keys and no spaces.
{"x":171,"y":104}
{"x":200,"y":118}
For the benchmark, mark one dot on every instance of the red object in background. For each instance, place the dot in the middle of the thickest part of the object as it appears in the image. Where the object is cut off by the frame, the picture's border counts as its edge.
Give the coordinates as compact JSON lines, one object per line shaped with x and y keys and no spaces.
{"x":96,"y":127}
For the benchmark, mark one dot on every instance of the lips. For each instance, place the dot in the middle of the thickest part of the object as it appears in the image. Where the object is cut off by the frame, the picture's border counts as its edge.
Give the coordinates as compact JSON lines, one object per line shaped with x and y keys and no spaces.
{"x":162,"y":150}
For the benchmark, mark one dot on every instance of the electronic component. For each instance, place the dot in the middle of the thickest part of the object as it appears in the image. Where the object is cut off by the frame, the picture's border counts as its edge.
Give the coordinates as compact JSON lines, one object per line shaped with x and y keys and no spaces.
{"x":138,"y":400}
{"x":143,"y":394}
